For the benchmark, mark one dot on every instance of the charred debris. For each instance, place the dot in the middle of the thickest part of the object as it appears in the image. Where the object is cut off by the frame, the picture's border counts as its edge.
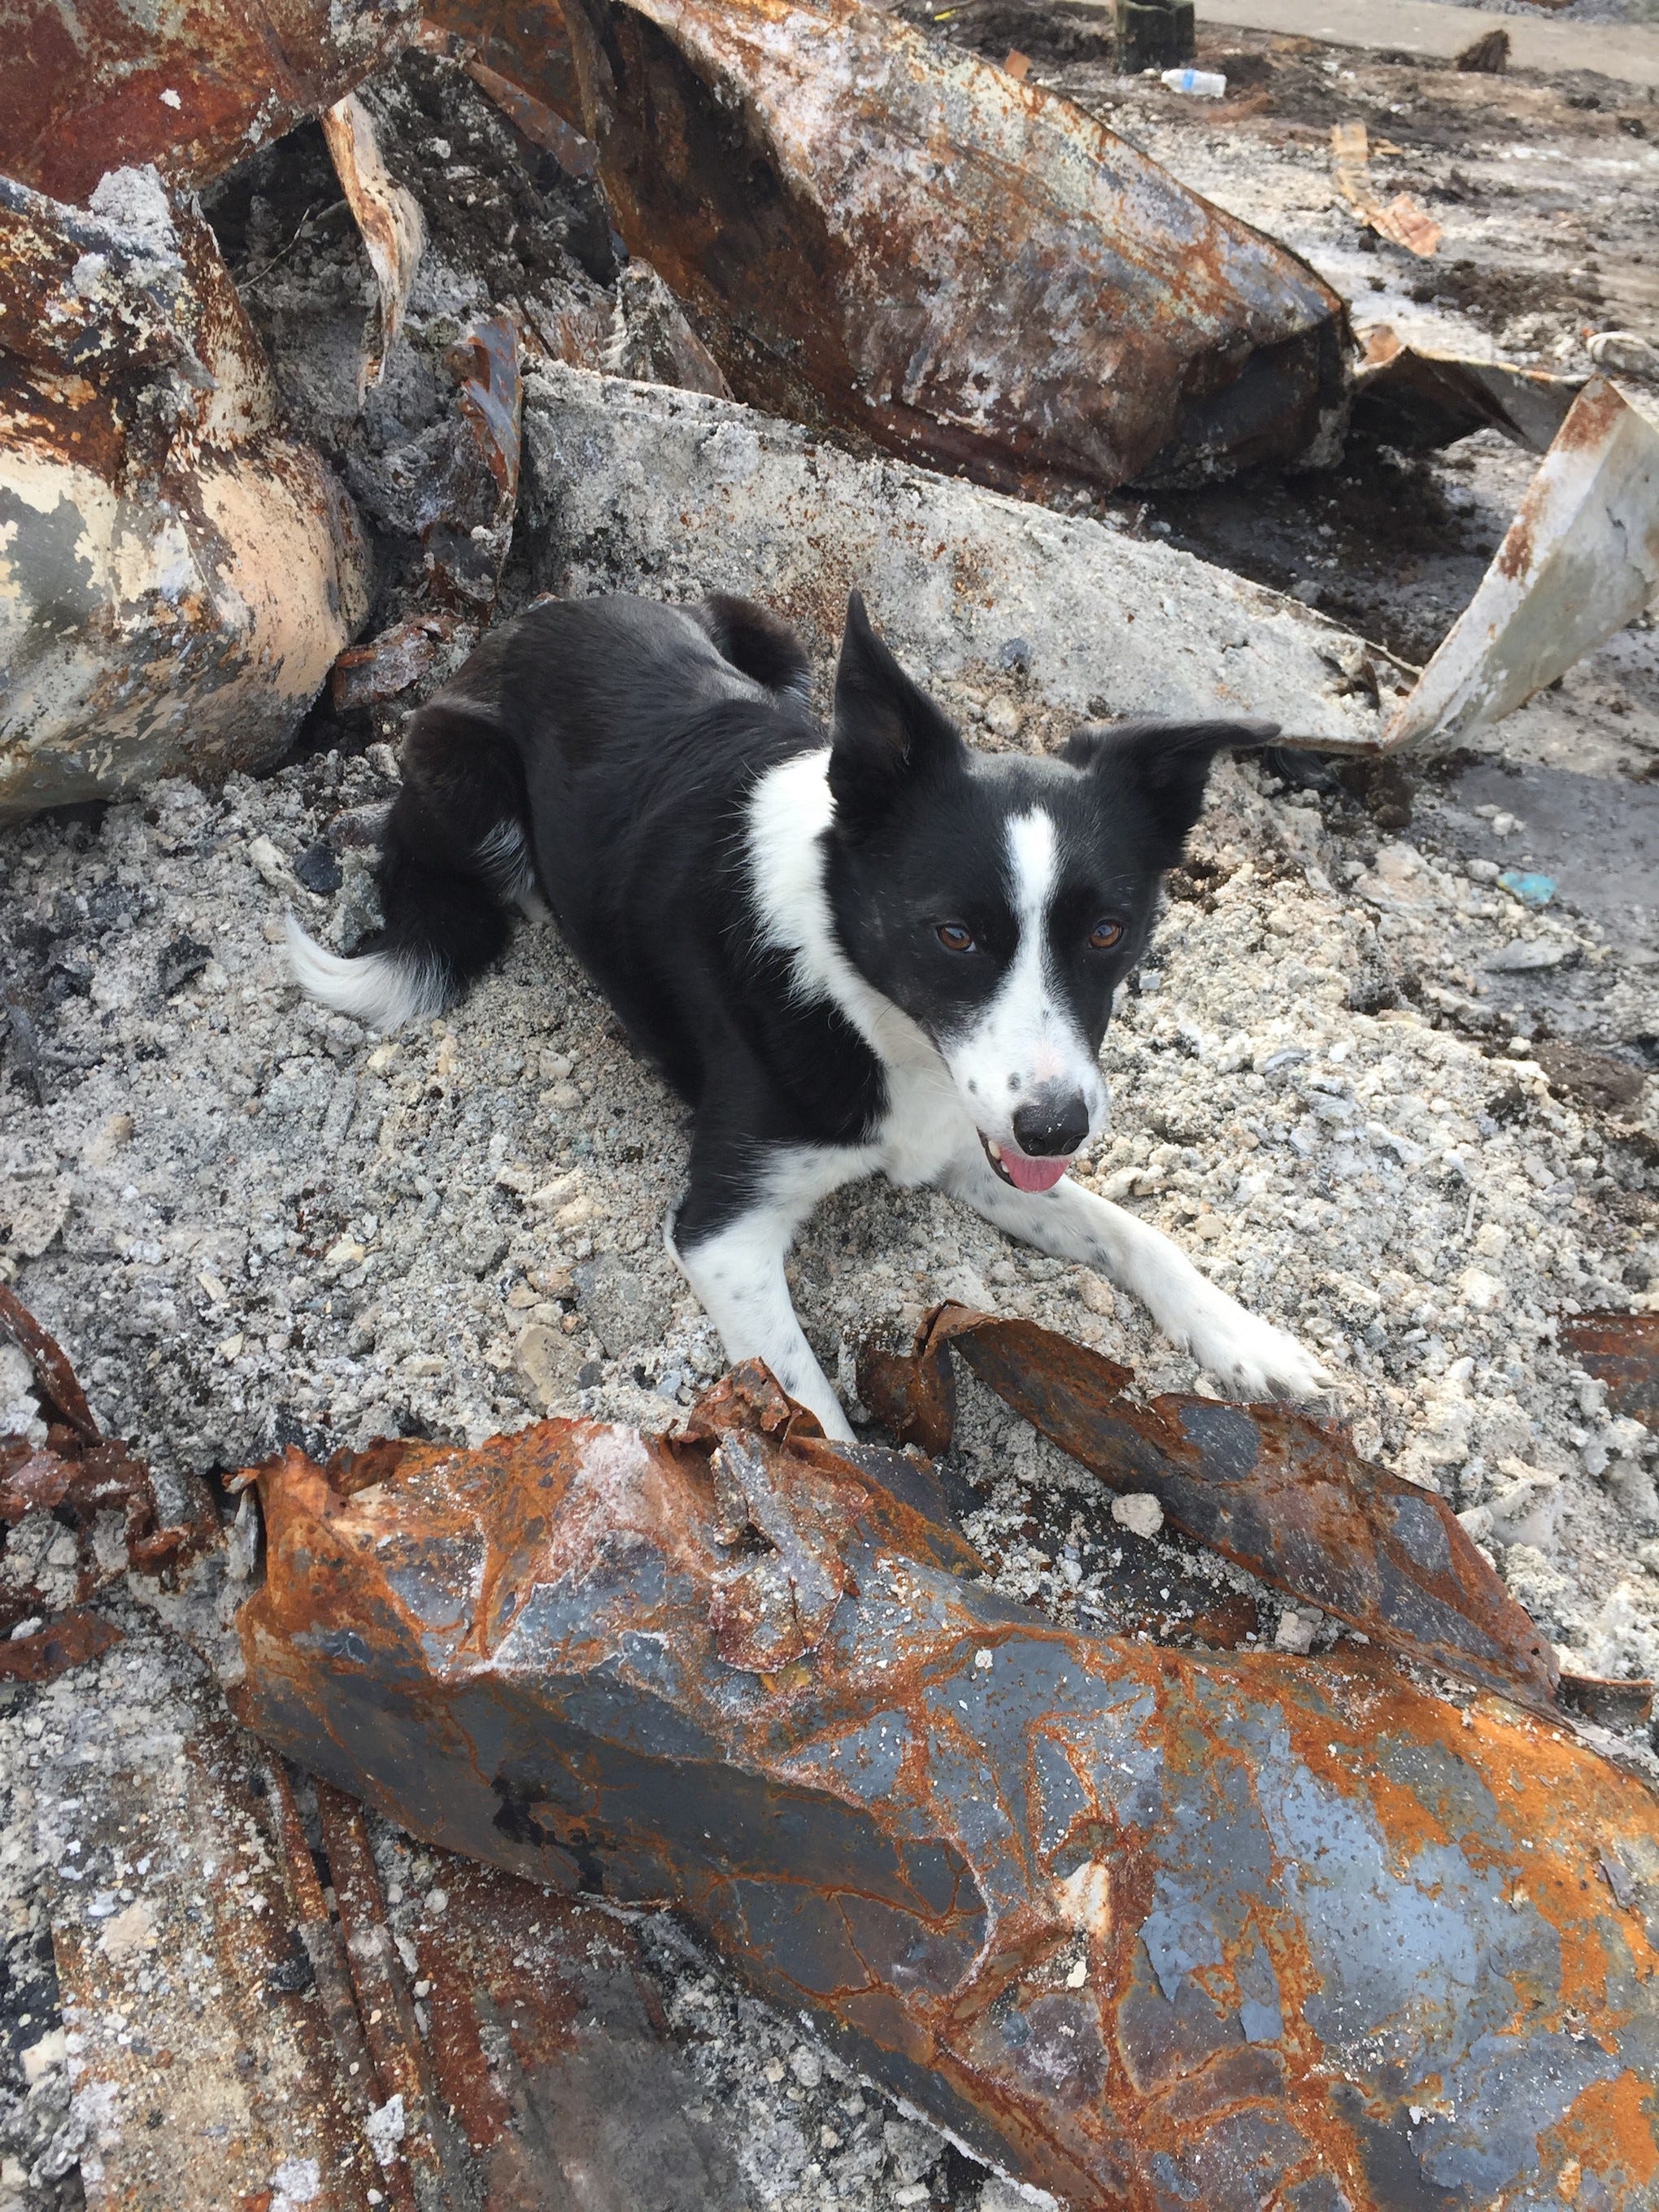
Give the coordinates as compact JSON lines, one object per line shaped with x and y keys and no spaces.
{"x":1145,"y":1909}
{"x":1167,"y":1910}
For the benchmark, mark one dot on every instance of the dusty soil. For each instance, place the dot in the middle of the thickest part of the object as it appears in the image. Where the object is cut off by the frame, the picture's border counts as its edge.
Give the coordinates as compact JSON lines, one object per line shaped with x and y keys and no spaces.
{"x":252,"y":1222}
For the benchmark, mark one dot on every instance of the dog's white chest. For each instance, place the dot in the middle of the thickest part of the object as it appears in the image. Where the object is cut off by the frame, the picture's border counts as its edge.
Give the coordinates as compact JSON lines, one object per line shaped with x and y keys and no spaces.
{"x":925,"y":1125}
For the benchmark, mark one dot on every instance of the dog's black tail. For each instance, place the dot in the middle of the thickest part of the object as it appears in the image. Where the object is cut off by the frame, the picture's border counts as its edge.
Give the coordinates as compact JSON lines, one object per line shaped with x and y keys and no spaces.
{"x":453,"y":859}
{"x":755,"y":640}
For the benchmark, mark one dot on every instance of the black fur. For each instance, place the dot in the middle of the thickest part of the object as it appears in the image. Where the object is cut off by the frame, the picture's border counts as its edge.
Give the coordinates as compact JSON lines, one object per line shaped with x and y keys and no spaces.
{"x":623,"y":739}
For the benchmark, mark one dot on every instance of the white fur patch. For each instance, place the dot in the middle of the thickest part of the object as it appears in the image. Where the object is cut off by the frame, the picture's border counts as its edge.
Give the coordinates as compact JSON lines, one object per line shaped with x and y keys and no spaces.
{"x":926,"y":1120}
{"x":738,"y":1273}
{"x":379,"y":988}
{"x":1025,"y":1039}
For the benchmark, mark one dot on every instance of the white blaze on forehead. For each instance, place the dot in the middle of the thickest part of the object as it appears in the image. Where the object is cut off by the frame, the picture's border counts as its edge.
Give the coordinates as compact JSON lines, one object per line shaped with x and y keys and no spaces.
{"x":1025,"y":1036}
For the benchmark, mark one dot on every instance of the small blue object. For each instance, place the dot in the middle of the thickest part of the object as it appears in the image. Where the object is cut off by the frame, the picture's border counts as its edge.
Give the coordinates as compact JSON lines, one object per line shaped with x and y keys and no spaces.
{"x":1531,"y":890}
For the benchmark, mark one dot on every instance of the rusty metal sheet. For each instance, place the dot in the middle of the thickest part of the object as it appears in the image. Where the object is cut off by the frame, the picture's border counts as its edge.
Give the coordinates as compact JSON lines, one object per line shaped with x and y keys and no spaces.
{"x":94,"y":85}
{"x":1416,"y":400}
{"x":1579,"y":561}
{"x":1140,"y":1926}
{"x":468,"y":490}
{"x":1622,"y":1351}
{"x":55,"y":1377}
{"x":388,"y":218}
{"x":880,"y":232}
{"x":1284,"y":1495}
{"x":70,"y":1640}
{"x":539,"y":122}
{"x":523,"y":46}
{"x":79,"y":1473}
{"x":176,"y":572}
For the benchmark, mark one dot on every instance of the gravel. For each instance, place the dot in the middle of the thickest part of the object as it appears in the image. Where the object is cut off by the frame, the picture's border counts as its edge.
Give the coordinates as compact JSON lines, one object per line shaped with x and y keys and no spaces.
{"x":1341,"y":1082}
{"x":253,"y":1222}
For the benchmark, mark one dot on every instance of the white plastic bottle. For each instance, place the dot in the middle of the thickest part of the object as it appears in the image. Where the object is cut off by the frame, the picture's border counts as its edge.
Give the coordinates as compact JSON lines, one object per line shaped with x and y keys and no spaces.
{"x":1203,"y":82}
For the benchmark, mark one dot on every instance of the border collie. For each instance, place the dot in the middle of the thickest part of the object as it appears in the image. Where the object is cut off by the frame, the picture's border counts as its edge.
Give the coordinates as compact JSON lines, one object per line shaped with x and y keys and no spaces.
{"x":847,"y":950}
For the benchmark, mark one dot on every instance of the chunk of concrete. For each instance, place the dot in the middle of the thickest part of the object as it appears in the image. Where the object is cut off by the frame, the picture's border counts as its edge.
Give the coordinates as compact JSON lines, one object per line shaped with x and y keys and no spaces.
{"x":676,"y":493}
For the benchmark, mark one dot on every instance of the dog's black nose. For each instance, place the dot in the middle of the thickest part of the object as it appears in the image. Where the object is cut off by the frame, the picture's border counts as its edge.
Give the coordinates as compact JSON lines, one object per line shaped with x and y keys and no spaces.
{"x":1053,"y":1124}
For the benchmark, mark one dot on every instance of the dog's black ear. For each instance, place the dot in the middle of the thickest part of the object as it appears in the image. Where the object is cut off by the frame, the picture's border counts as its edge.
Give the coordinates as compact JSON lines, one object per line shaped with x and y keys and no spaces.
{"x":1168,"y":762}
{"x":886,"y":730}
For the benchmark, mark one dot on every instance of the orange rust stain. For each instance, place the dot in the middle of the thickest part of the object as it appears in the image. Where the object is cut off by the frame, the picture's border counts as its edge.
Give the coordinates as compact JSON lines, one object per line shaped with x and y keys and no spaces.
{"x":1515,"y":554}
{"x":1609,"y":2132}
{"x":1592,"y":414}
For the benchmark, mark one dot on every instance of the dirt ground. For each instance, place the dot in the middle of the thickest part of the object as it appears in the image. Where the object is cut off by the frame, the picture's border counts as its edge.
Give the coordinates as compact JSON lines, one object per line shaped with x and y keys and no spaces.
{"x":1379,"y":1098}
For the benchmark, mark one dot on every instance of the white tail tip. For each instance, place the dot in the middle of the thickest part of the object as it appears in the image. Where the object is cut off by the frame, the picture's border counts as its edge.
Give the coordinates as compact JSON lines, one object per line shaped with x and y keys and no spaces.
{"x":383,"y":989}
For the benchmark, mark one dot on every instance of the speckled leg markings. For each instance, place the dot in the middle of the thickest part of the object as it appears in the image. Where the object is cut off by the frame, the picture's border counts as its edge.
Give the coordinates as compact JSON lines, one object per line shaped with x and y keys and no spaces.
{"x":1247,"y":1355}
{"x":737,"y":1274}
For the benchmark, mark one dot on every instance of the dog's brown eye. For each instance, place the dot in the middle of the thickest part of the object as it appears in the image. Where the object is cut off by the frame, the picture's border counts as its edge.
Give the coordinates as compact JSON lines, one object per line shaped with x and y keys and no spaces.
{"x":955,"y":937}
{"x":1104,"y":935}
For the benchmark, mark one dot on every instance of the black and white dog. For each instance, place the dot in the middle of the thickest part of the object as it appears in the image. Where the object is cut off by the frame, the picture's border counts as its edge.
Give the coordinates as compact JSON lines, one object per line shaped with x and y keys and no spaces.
{"x":849,"y":951}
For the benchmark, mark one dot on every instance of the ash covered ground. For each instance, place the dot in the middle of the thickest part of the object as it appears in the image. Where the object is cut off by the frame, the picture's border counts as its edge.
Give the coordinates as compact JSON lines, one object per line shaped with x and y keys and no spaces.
{"x":1375,"y":1096}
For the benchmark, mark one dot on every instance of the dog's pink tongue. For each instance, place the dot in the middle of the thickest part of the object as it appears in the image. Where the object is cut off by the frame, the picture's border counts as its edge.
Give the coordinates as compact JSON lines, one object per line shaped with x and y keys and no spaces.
{"x":1032,"y":1175}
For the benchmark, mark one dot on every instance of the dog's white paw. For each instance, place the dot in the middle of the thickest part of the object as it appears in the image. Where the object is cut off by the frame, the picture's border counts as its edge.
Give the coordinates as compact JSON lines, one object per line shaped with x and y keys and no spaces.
{"x":1251,"y":1358}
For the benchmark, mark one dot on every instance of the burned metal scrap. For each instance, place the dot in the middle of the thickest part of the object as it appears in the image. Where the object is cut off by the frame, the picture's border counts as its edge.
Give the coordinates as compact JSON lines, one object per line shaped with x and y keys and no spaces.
{"x":877,"y":231}
{"x":1281,"y":1494}
{"x":1622,"y":1351}
{"x":176,"y":572}
{"x":72,"y":1474}
{"x":95,"y":85}
{"x":1138,"y":1925}
{"x":76,"y":1470}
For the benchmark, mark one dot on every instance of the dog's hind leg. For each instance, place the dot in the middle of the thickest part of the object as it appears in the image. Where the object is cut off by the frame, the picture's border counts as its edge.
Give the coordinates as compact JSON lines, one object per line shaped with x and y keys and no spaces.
{"x":453,"y":859}
{"x":729,"y":1238}
{"x":1244,"y":1352}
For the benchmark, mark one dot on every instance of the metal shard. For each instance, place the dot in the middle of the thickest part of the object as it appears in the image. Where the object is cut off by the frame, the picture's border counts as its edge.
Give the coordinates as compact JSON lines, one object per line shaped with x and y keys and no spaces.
{"x":1137,"y":1925}
{"x":388,"y":218}
{"x":1283,"y":1495}
{"x":879,"y":232}
{"x":1622,"y":1351}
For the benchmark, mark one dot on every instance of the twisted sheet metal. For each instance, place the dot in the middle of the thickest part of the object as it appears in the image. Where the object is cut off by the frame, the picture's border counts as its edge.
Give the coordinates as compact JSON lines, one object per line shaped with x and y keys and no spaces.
{"x":1148,"y":1927}
{"x":94,"y":85}
{"x":1283,"y":1495}
{"x":878,"y":231}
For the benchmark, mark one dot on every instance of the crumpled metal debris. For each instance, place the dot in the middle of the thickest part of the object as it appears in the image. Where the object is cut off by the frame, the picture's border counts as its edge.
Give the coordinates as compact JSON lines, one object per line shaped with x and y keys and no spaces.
{"x":75,"y":1475}
{"x":1284,"y":1495}
{"x":466,"y":504}
{"x":95,"y":85}
{"x":1404,"y":220}
{"x":1579,"y":561}
{"x":365,"y":675}
{"x":1622,"y":1351}
{"x":1407,"y":397}
{"x":1136,"y":1925}
{"x":388,"y":218}
{"x":879,"y":232}
{"x":70,"y":1641}
{"x":176,"y":572}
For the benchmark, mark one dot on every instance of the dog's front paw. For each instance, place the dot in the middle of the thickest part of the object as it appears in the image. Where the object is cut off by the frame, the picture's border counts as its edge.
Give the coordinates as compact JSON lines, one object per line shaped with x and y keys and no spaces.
{"x":1252,"y":1358}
